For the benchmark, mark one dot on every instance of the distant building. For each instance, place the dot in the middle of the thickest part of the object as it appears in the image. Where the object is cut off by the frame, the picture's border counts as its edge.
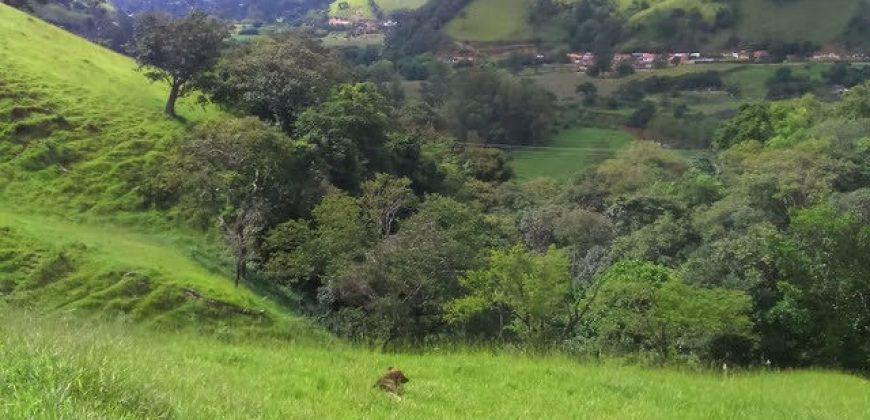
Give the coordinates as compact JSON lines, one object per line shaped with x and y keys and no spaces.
{"x":339,"y":22}
{"x":826,"y":56}
{"x":761,"y":55}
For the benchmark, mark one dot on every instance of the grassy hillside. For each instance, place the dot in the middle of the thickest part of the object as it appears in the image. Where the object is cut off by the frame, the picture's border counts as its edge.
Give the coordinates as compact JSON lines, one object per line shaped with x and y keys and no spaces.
{"x":64,"y":370}
{"x":492,"y":20}
{"x":819,"y":22}
{"x":569,"y":153}
{"x":758,"y":21}
{"x":361,"y":9}
{"x":389,"y":6}
{"x":351,"y":9}
{"x":78,"y":128}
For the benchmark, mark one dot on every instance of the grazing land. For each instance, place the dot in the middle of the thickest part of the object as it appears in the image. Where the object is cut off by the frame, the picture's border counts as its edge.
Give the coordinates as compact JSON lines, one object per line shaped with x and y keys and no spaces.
{"x":491,"y":21}
{"x":570,"y":152}
{"x":60,"y":368}
{"x":389,"y":6}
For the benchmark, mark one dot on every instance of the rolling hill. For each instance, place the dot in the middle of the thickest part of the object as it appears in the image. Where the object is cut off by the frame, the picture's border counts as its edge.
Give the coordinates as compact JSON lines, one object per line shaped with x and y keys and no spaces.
{"x":752,"y":21}
{"x":362,"y":9}
{"x":78,"y":128}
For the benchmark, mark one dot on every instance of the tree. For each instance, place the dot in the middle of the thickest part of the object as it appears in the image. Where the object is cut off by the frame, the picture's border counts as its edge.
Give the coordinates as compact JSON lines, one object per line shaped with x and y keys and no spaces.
{"x":275,"y":78}
{"x":641,"y":306}
{"x":384,"y":199}
{"x":752,"y":122}
{"x":533,"y":289}
{"x":823,"y":305}
{"x":624,"y":69}
{"x":589,"y":91}
{"x":350,"y":130}
{"x":856,"y":103}
{"x":397,"y":291}
{"x":177,"y":50}
{"x":248,"y":176}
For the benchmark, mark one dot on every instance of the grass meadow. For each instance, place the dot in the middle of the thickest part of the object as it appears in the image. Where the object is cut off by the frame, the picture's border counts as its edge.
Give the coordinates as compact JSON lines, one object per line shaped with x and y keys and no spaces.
{"x":67,"y":368}
{"x":492,"y":21}
{"x":570,"y":152}
{"x":816,"y":21}
{"x":389,"y":6}
{"x":356,"y":9}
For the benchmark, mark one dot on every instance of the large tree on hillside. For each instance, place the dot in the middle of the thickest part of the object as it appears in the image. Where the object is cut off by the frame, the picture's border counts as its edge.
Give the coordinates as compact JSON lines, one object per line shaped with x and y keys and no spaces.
{"x":275,"y":78}
{"x":248,"y":176}
{"x":177,"y":50}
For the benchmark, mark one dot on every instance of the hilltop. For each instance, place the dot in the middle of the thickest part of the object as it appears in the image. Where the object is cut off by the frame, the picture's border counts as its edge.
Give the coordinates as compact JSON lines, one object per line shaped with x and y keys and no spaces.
{"x":78,"y":136}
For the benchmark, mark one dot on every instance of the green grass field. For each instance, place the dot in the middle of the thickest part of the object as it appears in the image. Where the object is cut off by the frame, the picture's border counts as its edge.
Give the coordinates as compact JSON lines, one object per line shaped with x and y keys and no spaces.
{"x":816,"y":21}
{"x":570,"y":152}
{"x":66,"y":369}
{"x":389,"y":6}
{"x":491,"y":21}
{"x":78,"y":128}
{"x":356,"y":9}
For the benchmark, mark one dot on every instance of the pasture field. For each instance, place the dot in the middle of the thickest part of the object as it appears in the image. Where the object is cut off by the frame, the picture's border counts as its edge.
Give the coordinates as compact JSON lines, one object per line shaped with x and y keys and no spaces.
{"x":76,"y":141}
{"x":67,"y":368}
{"x":561,"y":80}
{"x":570,"y":152}
{"x":354,"y":10}
{"x":75,"y":130}
{"x":492,"y":21}
{"x":819,"y":22}
{"x":389,"y":6}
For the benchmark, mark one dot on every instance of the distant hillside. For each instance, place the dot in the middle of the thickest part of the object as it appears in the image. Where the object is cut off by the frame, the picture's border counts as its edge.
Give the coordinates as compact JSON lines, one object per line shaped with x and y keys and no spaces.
{"x":664,"y":24}
{"x":98,"y":20}
{"x":370,"y":9}
{"x":262,"y":10}
{"x":79,"y":127}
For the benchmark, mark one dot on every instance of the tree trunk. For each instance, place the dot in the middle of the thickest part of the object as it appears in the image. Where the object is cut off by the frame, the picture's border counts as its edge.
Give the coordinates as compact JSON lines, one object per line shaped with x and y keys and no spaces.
{"x":174,"y":90}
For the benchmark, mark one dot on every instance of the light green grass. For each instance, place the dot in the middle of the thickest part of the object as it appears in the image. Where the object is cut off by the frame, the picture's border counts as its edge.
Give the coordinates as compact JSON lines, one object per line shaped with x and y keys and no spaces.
{"x":356,"y":10}
{"x":78,"y":129}
{"x":61,"y":369}
{"x":492,"y":20}
{"x":389,"y":6}
{"x":570,"y":152}
{"x":78,"y":123}
{"x":339,"y":39}
{"x":60,"y":265}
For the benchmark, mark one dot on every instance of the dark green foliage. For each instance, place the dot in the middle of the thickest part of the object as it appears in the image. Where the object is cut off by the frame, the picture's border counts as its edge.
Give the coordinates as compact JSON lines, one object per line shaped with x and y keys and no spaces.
{"x":498,"y":109}
{"x":245,"y":175}
{"x":177,"y":51}
{"x":643,"y":307}
{"x":420,"y":31}
{"x":753,"y":122}
{"x":784,"y":85}
{"x":350,"y":130}
{"x":275,"y":78}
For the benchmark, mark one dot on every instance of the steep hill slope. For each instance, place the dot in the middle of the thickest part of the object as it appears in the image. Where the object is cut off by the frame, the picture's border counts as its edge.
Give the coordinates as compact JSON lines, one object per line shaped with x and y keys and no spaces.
{"x":78,"y":128}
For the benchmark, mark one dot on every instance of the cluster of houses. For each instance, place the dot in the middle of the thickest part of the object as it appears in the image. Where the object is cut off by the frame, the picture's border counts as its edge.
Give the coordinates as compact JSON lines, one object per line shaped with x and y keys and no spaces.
{"x":359,"y":27}
{"x":638,"y":60}
{"x":649,"y":60}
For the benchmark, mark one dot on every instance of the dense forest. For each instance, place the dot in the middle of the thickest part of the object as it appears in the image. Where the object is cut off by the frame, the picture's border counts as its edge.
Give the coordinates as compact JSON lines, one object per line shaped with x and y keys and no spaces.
{"x":391,"y":223}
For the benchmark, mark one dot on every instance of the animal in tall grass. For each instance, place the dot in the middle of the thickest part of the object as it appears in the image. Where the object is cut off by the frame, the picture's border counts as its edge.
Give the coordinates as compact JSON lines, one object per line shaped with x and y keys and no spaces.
{"x":392,"y":382}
